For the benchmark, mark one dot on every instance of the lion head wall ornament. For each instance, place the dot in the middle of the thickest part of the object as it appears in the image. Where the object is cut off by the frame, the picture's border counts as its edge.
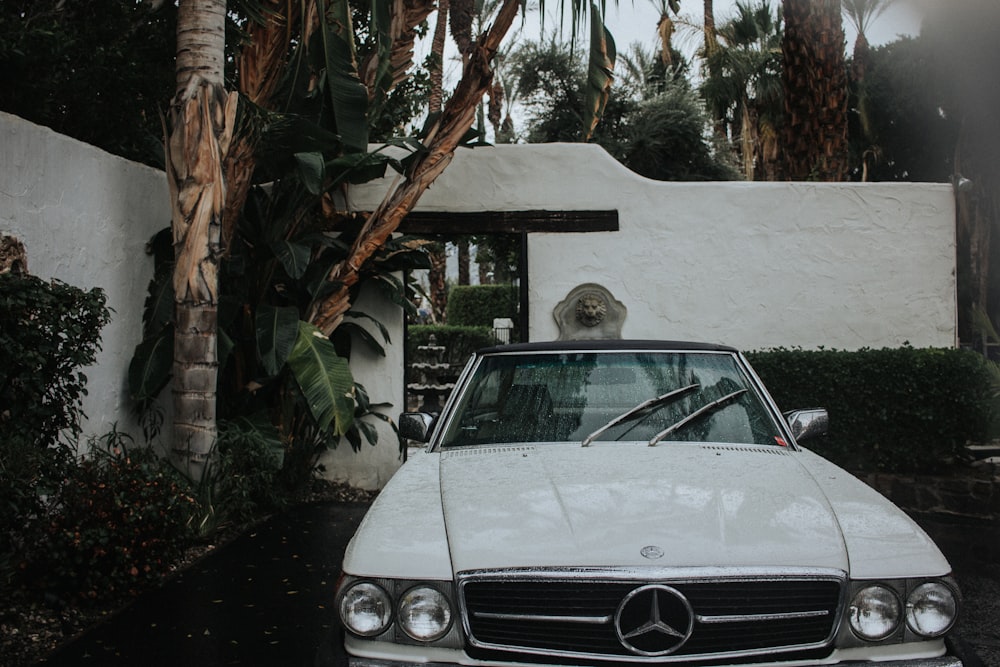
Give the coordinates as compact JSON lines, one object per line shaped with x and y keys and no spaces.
{"x":589,"y":311}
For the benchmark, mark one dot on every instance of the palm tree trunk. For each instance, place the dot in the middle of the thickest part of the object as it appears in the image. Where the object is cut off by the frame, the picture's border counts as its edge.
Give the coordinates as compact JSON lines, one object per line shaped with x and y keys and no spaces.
{"x":814,"y":145}
{"x":441,"y":142}
{"x":201,"y":124}
{"x":437,"y":48}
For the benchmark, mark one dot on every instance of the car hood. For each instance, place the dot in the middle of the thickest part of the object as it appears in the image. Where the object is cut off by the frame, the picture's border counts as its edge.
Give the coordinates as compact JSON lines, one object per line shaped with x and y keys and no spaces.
{"x":698,"y":505}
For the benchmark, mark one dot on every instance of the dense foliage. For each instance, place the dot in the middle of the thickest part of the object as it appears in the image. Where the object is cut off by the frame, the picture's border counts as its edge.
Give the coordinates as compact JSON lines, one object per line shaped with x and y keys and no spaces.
{"x":479,"y":305}
{"x":892,"y":410}
{"x":96,"y":70}
{"x":116,"y":526}
{"x":900,"y":101}
{"x":48,"y":332}
{"x":654,"y":123}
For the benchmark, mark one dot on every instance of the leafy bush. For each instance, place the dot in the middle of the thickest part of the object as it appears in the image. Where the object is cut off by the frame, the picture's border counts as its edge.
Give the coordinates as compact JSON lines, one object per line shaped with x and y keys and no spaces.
{"x":478,"y":305}
{"x":48,"y":331}
{"x":117,"y":525}
{"x":245,"y":471}
{"x":893,"y":410}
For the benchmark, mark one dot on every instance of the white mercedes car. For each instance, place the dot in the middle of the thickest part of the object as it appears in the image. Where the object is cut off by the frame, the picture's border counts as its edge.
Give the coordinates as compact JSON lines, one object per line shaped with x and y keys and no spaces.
{"x":634,"y":503}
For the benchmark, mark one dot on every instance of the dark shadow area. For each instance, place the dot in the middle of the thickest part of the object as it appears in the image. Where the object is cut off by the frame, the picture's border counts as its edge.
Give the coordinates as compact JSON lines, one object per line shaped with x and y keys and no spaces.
{"x":264,"y":599}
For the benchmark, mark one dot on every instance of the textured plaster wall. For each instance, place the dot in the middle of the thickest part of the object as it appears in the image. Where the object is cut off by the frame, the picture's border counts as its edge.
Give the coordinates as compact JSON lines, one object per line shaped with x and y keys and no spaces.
{"x":754,"y":265}
{"x":84,"y":217}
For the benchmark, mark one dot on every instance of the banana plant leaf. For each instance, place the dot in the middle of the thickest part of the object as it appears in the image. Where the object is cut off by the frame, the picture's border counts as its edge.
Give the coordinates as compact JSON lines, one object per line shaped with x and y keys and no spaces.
{"x":312,"y":171}
{"x":324,"y":378}
{"x":277,"y":331}
{"x":293,"y":256}
{"x":149,"y":370}
{"x":600,"y":73}
{"x":347,"y":92}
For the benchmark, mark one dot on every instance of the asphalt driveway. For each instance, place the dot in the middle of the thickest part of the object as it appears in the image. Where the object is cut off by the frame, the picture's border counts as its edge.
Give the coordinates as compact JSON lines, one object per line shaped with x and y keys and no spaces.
{"x":264,"y":599}
{"x":267,"y":598}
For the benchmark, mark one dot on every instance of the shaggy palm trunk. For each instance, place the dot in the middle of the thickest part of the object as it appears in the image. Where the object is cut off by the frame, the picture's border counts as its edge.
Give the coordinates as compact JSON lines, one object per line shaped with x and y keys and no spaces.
{"x":201,"y":120}
{"x":814,"y":77}
{"x":441,"y":142}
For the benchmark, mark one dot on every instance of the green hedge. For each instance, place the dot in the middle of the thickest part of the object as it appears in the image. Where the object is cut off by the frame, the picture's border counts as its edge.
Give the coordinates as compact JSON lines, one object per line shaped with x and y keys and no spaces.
{"x":893,"y":410}
{"x":478,"y":305}
{"x":459,"y":342}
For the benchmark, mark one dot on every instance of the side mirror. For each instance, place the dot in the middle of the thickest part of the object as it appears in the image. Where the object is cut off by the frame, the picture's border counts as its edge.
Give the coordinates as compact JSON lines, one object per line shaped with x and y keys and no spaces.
{"x":808,"y":424}
{"x":415,"y":426}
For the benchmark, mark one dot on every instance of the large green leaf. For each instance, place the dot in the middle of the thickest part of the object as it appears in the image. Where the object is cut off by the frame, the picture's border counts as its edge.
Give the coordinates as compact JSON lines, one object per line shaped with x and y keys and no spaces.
{"x":347,"y":92}
{"x":293,"y":256}
{"x":600,"y":72}
{"x":312,"y":170}
{"x":324,"y":378}
{"x":149,"y":370}
{"x":277,"y":330}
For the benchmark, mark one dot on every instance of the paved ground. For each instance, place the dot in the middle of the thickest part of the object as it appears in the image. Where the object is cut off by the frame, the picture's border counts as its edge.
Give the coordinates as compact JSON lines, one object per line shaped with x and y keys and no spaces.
{"x":264,"y":599}
{"x":267,"y":599}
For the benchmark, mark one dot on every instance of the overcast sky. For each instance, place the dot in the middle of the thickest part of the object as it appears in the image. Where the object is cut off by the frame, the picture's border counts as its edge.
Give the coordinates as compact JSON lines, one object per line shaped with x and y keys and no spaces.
{"x":635,"y":21}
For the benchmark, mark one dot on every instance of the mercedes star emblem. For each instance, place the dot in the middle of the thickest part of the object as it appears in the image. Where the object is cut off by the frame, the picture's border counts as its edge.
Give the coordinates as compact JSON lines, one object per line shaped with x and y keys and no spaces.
{"x":654,"y":620}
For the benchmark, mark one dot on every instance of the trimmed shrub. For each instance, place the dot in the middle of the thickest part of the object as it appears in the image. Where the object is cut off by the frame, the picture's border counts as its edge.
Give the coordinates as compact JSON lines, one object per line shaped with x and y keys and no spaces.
{"x":893,"y":410}
{"x":478,"y":305}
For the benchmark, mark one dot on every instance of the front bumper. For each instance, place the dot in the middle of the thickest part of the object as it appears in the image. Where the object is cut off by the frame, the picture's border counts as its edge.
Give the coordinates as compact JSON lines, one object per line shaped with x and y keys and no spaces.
{"x":943,"y":661}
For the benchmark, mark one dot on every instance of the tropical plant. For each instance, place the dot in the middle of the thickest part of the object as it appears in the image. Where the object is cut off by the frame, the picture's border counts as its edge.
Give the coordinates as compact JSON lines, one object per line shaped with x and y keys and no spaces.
{"x":318,"y":46}
{"x":861,"y":14}
{"x":814,"y":81}
{"x":742,"y":87}
{"x":95,"y":70}
{"x":657,"y":128}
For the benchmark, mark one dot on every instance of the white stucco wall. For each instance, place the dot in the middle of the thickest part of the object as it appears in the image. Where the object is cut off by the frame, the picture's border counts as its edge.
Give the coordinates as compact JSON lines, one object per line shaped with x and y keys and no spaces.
{"x":754,"y":265}
{"x":84,"y":217}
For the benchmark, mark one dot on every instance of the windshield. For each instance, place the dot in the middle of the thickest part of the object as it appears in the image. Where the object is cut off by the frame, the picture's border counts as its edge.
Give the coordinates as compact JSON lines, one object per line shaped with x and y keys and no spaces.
{"x":590,"y":397}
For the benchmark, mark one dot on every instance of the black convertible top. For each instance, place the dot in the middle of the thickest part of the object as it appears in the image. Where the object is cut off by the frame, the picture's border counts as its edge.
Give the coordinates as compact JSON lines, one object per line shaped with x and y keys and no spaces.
{"x":605,"y":345}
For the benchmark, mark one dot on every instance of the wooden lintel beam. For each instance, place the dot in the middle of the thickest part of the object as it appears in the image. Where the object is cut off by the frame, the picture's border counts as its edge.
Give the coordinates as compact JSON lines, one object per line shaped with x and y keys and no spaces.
{"x":509,"y":222}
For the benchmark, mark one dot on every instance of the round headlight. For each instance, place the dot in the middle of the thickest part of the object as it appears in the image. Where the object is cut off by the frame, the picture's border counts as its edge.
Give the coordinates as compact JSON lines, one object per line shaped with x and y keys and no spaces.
{"x":365,"y":609}
{"x":875,"y":612}
{"x":424,"y":613}
{"x":931,"y":609}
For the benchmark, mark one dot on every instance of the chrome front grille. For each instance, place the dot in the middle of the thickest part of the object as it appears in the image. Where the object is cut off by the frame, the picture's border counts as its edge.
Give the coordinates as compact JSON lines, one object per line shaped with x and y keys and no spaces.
{"x":586,"y":616}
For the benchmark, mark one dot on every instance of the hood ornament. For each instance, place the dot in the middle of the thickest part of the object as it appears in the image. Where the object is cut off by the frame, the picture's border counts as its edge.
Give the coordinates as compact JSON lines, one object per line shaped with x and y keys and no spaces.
{"x":652,"y":552}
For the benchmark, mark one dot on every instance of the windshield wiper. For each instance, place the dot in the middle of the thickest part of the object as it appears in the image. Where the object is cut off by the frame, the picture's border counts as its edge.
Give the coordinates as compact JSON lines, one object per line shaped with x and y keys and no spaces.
{"x":642,"y":407}
{"x":700,"y":412}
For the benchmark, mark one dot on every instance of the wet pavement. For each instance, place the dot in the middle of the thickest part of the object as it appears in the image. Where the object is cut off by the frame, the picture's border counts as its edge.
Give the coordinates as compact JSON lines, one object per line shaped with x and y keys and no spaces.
{"x":267,"y":598}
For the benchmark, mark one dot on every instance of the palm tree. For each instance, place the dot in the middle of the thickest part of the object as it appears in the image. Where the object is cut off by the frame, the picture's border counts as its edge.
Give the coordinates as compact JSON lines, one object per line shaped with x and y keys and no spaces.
{"x":743,"y":84}
{"x":814,"y":77}
{"x":861,"y":13}
{"x":201,"y":120}
{"x":665,"y":27}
